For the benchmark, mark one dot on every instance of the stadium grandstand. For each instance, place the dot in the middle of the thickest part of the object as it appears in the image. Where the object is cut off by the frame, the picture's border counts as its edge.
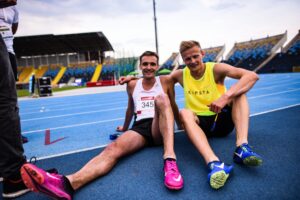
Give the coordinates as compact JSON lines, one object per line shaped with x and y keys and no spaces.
{"x":71,"y":57}
{"x":116,"y":67}
{"x":213,"y":54}
{"x":255,"y":53}
{"x":61,"y":57}
{"x":287,"y":60}
{"x":170,"y":62}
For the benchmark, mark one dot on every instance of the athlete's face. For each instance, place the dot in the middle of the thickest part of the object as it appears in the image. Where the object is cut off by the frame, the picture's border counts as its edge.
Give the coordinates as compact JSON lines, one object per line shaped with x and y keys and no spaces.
{"x":148,"y":66}
{"x":193,"y":58}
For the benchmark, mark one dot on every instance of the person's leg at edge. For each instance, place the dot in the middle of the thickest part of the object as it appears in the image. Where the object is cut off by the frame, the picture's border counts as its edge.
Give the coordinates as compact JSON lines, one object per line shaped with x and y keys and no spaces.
{"x":163,"y":132}
{"x":218,"y":171}
{"x":12,"y":152}
{"x":13,"y":62}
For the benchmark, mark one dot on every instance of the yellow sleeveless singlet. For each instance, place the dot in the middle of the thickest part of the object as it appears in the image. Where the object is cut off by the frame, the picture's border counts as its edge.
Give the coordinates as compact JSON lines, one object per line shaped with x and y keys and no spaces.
{"x":202,"y":92}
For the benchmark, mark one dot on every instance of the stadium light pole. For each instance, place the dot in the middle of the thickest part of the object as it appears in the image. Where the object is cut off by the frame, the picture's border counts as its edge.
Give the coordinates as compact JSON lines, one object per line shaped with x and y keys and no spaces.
{"x":155,"y":27}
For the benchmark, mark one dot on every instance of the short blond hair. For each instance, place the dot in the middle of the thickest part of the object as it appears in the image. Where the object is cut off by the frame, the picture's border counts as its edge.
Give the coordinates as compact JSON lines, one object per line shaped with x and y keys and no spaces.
{"x":185,"y":45}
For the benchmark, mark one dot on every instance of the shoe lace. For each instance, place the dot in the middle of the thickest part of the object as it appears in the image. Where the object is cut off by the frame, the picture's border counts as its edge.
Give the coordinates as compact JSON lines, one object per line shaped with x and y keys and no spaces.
{"x":33,"y":160}
{"x":172,"y":167}
{"x":246,"y":147}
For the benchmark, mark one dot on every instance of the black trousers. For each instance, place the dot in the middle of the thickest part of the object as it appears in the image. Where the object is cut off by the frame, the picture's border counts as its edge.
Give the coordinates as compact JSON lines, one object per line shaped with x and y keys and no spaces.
{"x":11,"y":148}
{"x":13,"y":62}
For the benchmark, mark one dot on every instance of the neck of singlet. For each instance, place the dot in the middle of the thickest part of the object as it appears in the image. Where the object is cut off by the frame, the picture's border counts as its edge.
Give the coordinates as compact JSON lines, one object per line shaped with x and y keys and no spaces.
{"x":197,"y":75}
{"x":149,"y":83}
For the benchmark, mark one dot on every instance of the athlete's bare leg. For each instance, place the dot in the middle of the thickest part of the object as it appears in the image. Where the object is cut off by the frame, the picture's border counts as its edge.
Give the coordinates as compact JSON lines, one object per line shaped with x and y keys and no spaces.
{"x":197,"y":136}
{"x":128,"y":143}
{"x":163,"y":125}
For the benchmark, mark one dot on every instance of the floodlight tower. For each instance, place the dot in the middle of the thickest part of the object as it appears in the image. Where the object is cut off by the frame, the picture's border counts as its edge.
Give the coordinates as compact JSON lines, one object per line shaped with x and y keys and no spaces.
{"x":155,"y":27}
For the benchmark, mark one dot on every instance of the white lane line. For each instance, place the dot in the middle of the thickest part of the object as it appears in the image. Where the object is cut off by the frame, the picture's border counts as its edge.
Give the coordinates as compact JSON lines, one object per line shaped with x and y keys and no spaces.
{"x":74,"y":125}
{"x":72,"y":114}
{"x":275,"y":93}
{"x":274,"y":110}
{"x":177,"y":131}
{"x":276,"y":86}
{"x":70,"y":107}
{"x":71,"y":152}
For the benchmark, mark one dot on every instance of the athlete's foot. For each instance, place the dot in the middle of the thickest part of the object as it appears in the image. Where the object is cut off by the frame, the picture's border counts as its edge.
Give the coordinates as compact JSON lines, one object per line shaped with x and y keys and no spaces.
{"x":219,"y":173}
{"x":173,"y":178}
{"x":51,"y":184}
{"x":244,"y":155}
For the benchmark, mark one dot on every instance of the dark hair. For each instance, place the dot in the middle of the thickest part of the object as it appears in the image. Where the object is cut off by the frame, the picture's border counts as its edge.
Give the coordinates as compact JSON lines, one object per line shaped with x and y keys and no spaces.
{"x":149,"y":53}
{"x":185,"y":45}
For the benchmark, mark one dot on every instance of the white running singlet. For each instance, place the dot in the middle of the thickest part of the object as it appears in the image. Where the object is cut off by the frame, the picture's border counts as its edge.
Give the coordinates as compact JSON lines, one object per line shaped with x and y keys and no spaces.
{"x":144,"y":106}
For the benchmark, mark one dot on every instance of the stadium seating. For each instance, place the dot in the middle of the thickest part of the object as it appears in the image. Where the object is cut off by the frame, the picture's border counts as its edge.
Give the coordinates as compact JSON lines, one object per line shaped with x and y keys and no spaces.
{"x":170,"y":62}
{"x":259,"y":55}
{"x":285,"y":61}
{"x":114,"y":68}
{"x":251,"y":54}
{"x":78,"y":71}
{"x":213,"y":54}
{"x":52,"y":71}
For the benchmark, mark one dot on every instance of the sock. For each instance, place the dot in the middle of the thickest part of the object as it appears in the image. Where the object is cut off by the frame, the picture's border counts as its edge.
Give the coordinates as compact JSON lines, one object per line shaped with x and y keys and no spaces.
{"x":68,"y":186}
{"x":211,"y":164}
{"x":169,"y":159}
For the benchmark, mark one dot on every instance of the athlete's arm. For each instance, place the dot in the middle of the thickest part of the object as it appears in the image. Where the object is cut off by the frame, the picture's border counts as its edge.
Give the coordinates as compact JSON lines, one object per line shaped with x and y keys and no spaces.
{"x":130,"y":107}
{"x":177,"y":76}
{"x":246,"y":81}
{"x":126,"y":79}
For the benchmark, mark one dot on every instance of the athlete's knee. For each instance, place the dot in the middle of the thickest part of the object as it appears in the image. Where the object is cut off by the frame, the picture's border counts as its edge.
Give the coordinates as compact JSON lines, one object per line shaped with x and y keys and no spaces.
{"x":162,"y":101}
{"x":240,"y":99}
{"x":113,"y":151}
{"x":186,"y":115}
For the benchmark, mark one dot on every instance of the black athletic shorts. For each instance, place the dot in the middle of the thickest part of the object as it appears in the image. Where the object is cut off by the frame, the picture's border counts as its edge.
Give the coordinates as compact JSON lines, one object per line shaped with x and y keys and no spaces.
{"x":224,"y":124}
{"x":144,"y":128}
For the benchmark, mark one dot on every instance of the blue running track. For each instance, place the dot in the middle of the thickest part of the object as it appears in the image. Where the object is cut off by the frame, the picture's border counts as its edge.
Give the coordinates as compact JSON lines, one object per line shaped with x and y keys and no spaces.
{"x":82,"y":125}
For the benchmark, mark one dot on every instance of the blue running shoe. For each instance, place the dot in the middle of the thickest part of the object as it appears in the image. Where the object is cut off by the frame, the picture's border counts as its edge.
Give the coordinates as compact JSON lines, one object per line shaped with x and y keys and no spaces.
{"x":244,"y":155}
{"x":219,"y":173}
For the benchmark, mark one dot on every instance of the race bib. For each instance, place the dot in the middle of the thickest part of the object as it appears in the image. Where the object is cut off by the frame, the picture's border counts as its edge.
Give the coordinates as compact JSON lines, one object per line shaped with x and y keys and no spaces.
{"x":6,"y":32}
{"x":145,"y":108}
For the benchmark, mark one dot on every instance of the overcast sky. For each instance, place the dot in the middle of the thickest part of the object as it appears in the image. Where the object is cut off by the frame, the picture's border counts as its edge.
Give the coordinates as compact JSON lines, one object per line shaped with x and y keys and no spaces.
{"x":129,"y":25}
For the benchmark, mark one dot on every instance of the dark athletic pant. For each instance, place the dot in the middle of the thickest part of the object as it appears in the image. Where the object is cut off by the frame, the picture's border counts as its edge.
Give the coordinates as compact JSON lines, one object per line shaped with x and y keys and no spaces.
{"x":13,"y":62}
{"x":11,"y":148}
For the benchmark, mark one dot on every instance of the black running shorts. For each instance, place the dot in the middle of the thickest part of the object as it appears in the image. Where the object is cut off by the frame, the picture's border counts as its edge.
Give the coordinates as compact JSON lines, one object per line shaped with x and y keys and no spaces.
{"x":144,"y":128}
{"x":224,"y":124}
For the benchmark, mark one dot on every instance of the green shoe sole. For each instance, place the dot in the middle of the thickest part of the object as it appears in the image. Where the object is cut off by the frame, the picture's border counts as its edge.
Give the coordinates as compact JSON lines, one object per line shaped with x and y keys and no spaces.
{"x":218,"y":179}
{"x":252,"y":161}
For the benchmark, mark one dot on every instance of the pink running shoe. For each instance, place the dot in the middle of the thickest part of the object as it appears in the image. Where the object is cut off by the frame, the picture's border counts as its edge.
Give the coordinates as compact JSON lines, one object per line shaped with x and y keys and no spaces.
{"x":173,"y":178}
{"x":53,"y":185}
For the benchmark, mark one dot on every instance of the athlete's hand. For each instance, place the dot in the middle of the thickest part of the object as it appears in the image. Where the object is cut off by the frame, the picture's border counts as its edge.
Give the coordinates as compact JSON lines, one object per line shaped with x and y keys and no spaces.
{"x":120,"y":129}
{"x":219,"y":104}
{"x":124,"y":79}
